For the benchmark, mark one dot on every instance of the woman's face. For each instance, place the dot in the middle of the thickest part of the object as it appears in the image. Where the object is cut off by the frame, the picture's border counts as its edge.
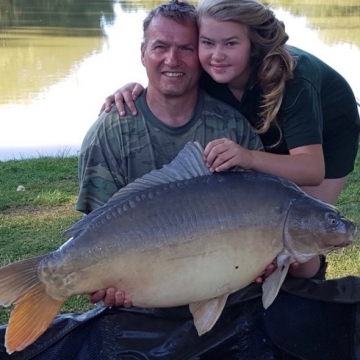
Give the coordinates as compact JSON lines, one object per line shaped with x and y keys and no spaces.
{"x":224,"y":51}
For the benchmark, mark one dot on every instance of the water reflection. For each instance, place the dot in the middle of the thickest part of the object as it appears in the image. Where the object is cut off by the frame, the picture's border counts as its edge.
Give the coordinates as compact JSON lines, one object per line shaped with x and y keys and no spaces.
{"x":41,"y":41}
{"x":70,"y":14}
{"x":59,"y":60}
{"x":336,"y":21}
{"x":31,"y":61}
{"x":52,"y":86}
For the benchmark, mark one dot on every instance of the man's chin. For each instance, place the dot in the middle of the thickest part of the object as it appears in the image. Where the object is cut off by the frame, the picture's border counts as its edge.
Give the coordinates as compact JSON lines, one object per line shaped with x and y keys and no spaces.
{"x":175,"y":92}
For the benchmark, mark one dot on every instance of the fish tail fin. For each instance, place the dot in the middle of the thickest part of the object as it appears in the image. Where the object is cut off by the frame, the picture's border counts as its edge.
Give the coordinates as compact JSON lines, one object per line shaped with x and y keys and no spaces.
{"x":30,"y":318}
{"x":34,"y":310}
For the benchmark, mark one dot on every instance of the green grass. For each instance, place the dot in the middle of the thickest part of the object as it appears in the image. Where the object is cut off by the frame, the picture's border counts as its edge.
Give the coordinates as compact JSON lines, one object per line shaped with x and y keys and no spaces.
{"x":32,"y":220}
{"x":347,"y":261}
{"x":47,"y":181}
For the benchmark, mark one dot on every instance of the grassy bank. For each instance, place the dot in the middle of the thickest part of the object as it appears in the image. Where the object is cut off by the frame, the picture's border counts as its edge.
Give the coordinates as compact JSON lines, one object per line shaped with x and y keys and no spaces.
{"x":33,"y":216}
{"x":32,"y":220}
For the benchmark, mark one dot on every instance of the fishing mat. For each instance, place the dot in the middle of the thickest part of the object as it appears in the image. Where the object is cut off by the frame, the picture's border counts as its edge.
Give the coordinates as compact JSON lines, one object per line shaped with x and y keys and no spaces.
{"x":294,"y":327}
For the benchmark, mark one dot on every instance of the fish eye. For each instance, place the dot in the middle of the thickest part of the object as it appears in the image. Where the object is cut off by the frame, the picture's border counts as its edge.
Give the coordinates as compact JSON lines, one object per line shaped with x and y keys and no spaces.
{"x":332,"y":219}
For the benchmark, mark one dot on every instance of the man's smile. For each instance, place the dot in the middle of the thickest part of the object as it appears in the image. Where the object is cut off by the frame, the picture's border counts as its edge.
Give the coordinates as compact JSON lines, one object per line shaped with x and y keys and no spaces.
{"x":173,"y":74}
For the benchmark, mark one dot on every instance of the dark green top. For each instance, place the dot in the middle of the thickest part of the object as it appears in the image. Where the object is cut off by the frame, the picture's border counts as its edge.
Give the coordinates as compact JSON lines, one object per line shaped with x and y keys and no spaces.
{"x":116,"y":151}
{"x":319,"y":107}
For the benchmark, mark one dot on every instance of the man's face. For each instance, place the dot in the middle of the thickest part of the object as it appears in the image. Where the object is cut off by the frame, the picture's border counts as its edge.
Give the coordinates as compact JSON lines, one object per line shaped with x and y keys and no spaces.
{"x":169,"y":54}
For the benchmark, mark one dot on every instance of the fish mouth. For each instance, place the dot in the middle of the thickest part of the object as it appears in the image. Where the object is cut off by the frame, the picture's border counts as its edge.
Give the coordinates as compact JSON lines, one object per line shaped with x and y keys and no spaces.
{"x":346,"y":242}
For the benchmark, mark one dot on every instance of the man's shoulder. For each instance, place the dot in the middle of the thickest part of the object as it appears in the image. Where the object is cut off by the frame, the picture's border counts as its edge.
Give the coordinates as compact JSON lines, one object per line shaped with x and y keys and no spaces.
{"x":113,"y":118}
{"x":112,"y":122}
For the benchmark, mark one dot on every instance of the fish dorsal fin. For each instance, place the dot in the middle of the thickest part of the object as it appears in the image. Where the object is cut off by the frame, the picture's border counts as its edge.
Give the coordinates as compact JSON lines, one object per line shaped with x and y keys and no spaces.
{"x":189,"y":163}
{"x":206,"y":313}
{"x":272,"y":284}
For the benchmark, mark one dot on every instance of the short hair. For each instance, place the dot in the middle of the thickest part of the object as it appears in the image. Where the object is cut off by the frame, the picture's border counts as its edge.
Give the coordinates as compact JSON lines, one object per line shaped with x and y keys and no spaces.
{"x":179,"y":11}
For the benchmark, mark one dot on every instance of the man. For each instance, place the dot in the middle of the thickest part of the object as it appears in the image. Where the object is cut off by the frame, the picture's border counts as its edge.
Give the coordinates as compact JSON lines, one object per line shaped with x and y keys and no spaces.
{"x":172,"y":112}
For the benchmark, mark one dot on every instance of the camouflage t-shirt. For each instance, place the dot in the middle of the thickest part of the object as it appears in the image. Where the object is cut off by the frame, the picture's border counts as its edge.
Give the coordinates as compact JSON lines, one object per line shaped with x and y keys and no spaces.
{"x":116,"y":151}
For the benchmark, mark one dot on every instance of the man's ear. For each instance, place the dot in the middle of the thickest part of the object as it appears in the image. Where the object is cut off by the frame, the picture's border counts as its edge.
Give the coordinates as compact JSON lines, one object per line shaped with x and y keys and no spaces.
{"x":142,"y":53}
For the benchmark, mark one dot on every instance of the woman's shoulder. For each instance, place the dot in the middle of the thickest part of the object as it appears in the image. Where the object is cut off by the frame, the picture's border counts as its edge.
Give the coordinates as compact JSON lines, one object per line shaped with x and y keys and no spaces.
{"x":310,"y":67}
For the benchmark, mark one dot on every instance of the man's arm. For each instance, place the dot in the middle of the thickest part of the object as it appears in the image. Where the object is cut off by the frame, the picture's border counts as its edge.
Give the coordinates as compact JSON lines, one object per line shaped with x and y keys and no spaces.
{"x":99,"y":179}
{"x":99,"y":169}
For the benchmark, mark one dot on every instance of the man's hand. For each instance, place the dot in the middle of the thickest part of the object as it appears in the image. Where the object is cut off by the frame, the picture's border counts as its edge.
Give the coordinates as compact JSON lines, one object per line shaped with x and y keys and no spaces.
{"x":110,"y":297}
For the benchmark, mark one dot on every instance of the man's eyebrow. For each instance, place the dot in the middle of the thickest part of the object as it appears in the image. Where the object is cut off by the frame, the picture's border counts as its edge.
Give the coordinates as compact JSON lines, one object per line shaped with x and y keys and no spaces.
{"x":159,"y":41}
{"x":164,"y":42}
{"x":188,"y":44}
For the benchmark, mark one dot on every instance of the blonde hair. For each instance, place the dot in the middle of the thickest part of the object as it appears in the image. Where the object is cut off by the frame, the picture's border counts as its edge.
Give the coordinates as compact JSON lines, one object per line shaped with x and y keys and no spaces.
{"x":269,"y":57}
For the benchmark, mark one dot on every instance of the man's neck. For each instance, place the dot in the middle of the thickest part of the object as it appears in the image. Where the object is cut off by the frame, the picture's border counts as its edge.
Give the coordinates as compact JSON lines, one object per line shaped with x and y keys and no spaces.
{"x":173,"y":111}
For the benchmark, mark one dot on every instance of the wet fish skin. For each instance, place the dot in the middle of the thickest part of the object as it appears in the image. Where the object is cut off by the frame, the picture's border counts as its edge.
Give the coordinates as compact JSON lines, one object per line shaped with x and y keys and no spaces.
{"x":190,"y":222}
{"x":171,"y":239}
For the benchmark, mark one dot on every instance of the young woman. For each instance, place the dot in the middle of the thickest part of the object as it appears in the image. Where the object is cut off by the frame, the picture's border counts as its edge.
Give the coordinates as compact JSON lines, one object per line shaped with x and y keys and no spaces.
{"x":305,"y":112}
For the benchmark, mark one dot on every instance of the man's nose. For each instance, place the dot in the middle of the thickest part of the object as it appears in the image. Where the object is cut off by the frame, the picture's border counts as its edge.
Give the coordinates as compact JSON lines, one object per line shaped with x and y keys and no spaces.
{"x":172,"y":58}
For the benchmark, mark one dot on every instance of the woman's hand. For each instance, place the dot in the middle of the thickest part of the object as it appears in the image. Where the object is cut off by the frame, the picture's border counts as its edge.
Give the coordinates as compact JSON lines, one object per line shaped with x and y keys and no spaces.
{"x":110,"y":297}
{"x":223,"y":154}
{"x":125,"y":95}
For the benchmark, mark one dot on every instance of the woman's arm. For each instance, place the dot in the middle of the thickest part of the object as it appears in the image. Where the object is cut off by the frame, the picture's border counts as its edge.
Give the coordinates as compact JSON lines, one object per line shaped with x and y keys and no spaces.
{"x":125,"y":95}
{"x":304,"y":166}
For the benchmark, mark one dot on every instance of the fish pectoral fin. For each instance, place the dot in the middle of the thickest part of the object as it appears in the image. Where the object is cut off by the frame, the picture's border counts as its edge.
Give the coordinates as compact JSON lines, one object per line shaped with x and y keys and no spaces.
{"x":30,"y":318}
{"x":272,"y":284}
{"x":207,"y":312}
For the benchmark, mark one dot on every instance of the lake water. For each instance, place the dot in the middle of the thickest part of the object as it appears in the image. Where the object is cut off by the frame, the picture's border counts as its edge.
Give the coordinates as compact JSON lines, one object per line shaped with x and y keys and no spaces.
{"x":60,"y":59}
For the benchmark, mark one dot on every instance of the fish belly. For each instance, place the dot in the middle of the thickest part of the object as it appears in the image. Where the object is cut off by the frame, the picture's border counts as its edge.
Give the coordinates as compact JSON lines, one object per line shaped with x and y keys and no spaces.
{"x":198,"y":269}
